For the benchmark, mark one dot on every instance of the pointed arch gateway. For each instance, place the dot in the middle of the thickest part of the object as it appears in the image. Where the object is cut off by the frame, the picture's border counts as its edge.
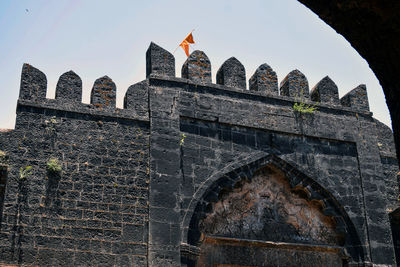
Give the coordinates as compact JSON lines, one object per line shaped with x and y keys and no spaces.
{"x":267,"y":213}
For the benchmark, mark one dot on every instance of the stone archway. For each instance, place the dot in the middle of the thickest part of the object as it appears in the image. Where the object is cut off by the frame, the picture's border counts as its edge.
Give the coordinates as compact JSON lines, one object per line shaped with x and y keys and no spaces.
{"x":268,"y":218}
{"x":269,"y":214}
{"x":372,"y":27}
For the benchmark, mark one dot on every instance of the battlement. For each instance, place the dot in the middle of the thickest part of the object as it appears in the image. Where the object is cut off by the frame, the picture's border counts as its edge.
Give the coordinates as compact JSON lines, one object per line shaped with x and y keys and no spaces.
{"x":160,"y":64}
{"x":141,"y":185}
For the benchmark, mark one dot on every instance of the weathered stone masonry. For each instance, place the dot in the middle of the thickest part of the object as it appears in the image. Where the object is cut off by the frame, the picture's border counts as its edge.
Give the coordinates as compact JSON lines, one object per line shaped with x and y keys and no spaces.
{"x":191,"y":172}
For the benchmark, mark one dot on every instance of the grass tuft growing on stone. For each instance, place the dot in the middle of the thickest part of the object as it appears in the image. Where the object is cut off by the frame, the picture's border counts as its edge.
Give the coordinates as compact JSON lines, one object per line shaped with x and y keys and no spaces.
{"x":53,"y":166}
{"x":25,"y":172}
{"x":304,"y":108}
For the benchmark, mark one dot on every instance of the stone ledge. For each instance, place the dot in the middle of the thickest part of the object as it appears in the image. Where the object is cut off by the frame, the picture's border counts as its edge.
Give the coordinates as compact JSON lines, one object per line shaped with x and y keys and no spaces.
{"x":84,"y":109}
{"x":247,"y":94}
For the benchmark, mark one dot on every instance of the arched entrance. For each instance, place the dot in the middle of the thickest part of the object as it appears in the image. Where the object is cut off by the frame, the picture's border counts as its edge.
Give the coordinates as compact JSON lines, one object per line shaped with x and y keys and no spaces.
{"x":273,"y":217}
{"x":379,"y":45}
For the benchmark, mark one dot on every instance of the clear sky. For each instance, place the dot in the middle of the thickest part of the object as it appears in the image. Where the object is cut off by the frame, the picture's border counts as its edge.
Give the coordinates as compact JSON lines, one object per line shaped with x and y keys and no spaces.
{"x":103,"y":37}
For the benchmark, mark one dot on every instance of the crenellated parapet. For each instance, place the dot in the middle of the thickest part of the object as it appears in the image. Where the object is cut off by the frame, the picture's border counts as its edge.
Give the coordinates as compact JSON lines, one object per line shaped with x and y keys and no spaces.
{"x":196,"y":69}
{"x":143,"y":184}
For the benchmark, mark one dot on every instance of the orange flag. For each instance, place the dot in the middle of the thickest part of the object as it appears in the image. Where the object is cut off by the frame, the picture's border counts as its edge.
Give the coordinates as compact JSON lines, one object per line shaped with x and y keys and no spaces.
{"x":185,"y":43}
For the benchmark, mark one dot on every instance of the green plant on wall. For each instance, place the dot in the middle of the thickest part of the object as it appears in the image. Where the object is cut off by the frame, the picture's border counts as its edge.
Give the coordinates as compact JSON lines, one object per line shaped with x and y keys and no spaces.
{"x":301,"y":107}
{"x":50,"y":124}
{"x":182,"y":141}
{"x":25,"y":172}
{"x":53,"y":166}
{"x":3,"y":158}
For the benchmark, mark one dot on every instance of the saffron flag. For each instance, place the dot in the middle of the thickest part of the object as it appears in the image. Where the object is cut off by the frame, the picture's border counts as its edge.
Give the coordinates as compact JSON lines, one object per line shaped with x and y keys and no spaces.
{"x":185,"y":43}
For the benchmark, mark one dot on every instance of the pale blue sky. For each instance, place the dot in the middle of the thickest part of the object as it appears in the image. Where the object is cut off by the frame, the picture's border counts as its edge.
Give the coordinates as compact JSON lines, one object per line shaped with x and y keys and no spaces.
{"x":99,"y":37}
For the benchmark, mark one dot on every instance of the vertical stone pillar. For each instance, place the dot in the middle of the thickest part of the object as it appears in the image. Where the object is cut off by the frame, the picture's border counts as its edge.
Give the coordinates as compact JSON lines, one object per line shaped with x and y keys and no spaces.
{"x":264,"y":80}
{"x":69,"y":87}
{"x":137,"y":98}
{"x":356,"y":98}
{"x":232,"y":74}
{"x":295,"y":84}
{"x":165,"y":179}
{"x":104,"y":93}
{"x":33,"y":83}
{"x":159,"y":61}
{"x":197,"y":68}
{"x":325,"y":91}
{"x":374,"y":191}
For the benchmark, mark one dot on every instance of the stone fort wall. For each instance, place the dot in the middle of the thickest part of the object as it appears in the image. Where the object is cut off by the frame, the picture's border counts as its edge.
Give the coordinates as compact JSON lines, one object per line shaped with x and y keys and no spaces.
{"x":140,"y":186}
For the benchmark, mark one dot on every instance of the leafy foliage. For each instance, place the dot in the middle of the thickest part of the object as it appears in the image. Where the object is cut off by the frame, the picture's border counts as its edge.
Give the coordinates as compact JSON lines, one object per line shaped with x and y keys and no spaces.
{"x":304,"y":108}
{"x":3,"y":158}
{"x":301,"y":107}
{"x":53,"y":166}
{"x":182,"y":141}
{"x":25,"y":172}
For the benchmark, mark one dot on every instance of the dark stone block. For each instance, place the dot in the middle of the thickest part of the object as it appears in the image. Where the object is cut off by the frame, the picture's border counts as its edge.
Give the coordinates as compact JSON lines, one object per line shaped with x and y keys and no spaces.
{"x":263,"y":140}
{"x":325,"y":91}
{"x":69,"y":87}
{"x":103,"y":260}
{"x":383,"y":255}
{"x":133,"y":233}
{"x":232,"y":74}
{"x":124,"y":261}
{"x":186,"y":127}
{"x":197,"y":68}
{"x":264,"y":80}
{"x":208,"y":132}
{"x":238,"y":138}
{"x":161,"y":233}
{"x":129,"y":248}
{"x":139,"y":261}
{"x":83,"y":258}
